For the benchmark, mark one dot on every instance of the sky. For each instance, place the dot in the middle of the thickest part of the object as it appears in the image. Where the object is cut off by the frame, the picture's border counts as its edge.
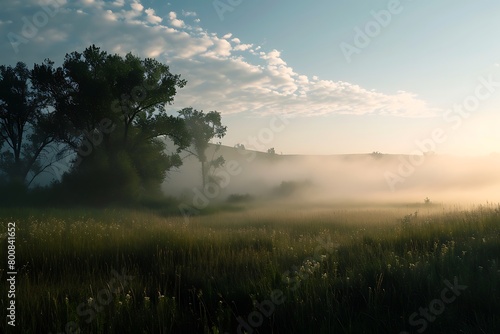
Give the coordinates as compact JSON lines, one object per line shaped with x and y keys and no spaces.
{"x":322,"y":77}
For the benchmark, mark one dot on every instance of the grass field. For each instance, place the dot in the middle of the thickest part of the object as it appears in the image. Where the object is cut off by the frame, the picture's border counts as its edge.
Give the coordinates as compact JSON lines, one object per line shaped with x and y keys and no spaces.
{"x":341,"y":268}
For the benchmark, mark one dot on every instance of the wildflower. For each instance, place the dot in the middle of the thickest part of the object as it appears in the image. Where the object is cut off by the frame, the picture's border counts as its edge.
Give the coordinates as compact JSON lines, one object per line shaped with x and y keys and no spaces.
{"x":444,"y":249}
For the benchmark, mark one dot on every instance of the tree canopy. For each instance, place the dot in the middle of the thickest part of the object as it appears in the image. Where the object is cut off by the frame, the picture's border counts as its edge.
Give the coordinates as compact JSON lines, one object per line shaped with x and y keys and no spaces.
{"x":26,"y":131}
{"x":109,"y":112}
{"x":204,"y":127}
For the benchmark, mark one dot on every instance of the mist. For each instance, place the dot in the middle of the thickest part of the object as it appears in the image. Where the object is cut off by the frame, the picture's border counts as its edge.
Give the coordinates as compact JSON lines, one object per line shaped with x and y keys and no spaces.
{"x":371,"y":177}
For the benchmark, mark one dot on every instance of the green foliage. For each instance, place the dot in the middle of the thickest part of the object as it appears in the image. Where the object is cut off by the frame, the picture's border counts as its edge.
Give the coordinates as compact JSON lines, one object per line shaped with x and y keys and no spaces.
{"x":203,"y":127}
{"x":26,"y":130}
{"x":107,"y":110}
{"x":102,"y":179}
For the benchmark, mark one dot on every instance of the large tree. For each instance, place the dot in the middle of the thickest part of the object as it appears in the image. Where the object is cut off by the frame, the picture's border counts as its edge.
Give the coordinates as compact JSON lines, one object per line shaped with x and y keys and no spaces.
{"x":26,"y":126}
{"x":203,"y":127}
{"x":110,"y":111}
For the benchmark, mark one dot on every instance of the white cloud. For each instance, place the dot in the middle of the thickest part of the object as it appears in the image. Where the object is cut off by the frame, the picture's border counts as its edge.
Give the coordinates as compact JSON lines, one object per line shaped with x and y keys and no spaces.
{"x":137,"y":6}
{"x":174,"y":21}
{"x":90,"y":3}
{"x":186,"y":13}
{"x":223,"y":73}
{"x":119,"y":3}
{"x":109,"y":15}
{"x":242,"y":47}
{"x":221,"y":48}
{"x":152,"y":17}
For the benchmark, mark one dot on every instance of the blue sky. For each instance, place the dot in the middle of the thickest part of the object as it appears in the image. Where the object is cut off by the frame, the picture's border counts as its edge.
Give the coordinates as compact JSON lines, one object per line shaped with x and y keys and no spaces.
{"x":414,"y":62}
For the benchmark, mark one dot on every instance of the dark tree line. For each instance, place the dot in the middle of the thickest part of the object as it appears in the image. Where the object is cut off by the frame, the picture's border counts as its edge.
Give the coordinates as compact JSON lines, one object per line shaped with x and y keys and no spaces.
{"x":106,"y":112}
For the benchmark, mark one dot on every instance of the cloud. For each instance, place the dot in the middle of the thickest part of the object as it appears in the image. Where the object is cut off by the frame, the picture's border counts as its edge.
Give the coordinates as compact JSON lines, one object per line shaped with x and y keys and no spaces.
{"x":174,"y":21}
{"x":136,"y":6}
{"x":223,"y":73}
{"x":119,"y":3}
{"x":109,"y":15}
{"x":185,"y":13}
{"x":242,"y":47}
{"x":151,"y":17}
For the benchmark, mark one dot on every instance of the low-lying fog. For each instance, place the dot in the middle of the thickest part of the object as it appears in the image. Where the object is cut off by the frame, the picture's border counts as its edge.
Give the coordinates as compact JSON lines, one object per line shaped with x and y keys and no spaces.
{"x":363,"y":177}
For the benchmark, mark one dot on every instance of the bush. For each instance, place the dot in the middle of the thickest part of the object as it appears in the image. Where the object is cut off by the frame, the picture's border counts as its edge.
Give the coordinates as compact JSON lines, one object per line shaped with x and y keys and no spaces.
{"x":288,"y":188}
{"x":238,"y":198}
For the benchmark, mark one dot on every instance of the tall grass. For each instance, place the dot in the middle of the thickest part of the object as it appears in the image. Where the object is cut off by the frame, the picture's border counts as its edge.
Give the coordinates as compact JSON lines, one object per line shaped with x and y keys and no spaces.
{"x":201,"y":276}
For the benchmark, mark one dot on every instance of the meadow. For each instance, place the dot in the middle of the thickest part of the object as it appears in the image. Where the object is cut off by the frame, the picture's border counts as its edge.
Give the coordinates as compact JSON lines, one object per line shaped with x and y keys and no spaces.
{"x":280,"y":268}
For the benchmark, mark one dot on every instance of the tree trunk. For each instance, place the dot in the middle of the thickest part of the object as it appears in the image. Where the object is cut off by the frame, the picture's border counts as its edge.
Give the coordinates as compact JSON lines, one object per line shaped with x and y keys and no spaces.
{"x":203,"y":178}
